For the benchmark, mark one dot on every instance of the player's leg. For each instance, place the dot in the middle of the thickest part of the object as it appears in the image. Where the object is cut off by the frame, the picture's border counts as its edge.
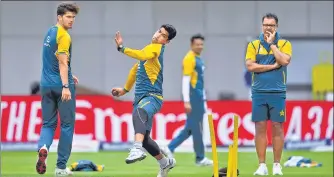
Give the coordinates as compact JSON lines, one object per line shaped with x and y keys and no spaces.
{"x":197,"y":132}
{"x":142,"y":116}
{"x":196,"y":117}
{"x":154,"y":106}
{"x":166,"y":163}
{"x":180,"y":138}
{"x":259,"y":117}
{"x":187,"y":130}
{"x":277,"y":116}
{"x":49,"y":119}
{"x":67,"y":118}
{"x":142,"y":122}
{"x":139,"y":120}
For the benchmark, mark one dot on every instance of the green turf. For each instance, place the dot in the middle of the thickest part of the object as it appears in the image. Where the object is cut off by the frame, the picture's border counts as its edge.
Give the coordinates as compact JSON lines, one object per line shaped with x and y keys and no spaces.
{"x":23,"y":164}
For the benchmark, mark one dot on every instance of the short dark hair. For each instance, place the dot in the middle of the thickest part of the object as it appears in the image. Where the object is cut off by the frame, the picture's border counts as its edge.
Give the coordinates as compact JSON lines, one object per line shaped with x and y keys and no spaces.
{"x":170,"y":29}
{"x":67,"y":7}
{"x":197,"y":36}
{"x":270,"y":15}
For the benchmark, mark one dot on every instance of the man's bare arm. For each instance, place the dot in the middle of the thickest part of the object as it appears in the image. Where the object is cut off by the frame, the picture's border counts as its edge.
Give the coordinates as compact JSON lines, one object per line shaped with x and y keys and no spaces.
{"x":63,"y":68}
{"x":252,"y":66}
{"x":281,"y":58}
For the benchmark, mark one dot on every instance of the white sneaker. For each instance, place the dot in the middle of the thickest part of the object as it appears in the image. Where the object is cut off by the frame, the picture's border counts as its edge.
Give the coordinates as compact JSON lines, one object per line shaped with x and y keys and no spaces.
{"x":205,"y":162}
{"x":63,"y":172}
{"x":135,"y":154}
{"x":41,"y":160}
{"x":262,"y":170}
{"x":166,"y":151}
{"x":277,"y":169}
{"x":164,"y":171}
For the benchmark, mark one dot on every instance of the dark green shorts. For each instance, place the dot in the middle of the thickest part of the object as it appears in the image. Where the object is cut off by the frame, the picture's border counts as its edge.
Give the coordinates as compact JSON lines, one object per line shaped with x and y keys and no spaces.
{"x":151,"y":104}
{"x":52,"y":104}
{"x":268,"y":106}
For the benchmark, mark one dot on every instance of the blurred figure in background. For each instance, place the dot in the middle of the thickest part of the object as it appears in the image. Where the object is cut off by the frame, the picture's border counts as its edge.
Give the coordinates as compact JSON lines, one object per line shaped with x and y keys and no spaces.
{"x":248,"y":75}
{"x":35,"y":88}
{"x":194,"y":98}
{"x":248,"y":82}
{"x":267,"y":58}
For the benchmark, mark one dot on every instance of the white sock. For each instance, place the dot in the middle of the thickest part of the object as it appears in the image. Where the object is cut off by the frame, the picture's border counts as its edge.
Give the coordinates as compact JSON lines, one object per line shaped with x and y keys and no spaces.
{"x":262,"y":164}
{"x":137,"y":144}
{"x":276,"y":164}
{"x":163,"y":162}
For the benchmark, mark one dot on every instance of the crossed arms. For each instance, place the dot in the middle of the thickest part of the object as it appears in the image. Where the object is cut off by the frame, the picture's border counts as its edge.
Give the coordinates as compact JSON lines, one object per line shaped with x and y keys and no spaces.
{"x":283,"y":58}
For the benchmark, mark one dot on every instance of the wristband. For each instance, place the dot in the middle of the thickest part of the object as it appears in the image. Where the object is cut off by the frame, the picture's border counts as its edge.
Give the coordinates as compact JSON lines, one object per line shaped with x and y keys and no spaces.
{"x":120,"y":47}
{"x":125,"y":90}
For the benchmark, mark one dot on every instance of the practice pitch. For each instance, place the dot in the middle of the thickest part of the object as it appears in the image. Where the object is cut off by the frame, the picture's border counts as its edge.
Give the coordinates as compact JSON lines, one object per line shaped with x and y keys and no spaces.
{"x":20,"y":164}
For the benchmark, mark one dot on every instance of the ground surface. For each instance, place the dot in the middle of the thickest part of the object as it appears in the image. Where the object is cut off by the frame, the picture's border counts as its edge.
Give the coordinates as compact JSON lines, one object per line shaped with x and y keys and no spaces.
{"x":22,"y":164}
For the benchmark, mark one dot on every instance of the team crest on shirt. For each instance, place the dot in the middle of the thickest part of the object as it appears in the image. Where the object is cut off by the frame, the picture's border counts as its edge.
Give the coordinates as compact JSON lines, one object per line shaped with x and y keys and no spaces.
{"x":47,"y":42}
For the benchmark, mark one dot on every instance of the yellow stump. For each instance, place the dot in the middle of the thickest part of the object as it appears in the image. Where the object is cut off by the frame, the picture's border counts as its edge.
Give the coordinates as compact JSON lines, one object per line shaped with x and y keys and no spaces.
{"x":229,"y":161}
{"x":232,"y":163}
{"x":214,"y":146}
{"x":234,"y":172}
{"x":235,"y":145}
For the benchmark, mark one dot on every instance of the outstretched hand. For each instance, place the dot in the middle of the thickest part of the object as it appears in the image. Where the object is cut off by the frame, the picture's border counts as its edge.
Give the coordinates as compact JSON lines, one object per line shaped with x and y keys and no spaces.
{"x":118,"y":39}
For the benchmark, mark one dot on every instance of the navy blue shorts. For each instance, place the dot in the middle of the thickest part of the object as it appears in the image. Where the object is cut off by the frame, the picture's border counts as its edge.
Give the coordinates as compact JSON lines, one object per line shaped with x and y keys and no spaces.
{"x":268,"y":106}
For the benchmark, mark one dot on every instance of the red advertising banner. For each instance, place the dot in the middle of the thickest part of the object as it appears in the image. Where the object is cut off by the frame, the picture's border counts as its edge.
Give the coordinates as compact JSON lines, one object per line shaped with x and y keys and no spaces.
{"x":104,"y":119}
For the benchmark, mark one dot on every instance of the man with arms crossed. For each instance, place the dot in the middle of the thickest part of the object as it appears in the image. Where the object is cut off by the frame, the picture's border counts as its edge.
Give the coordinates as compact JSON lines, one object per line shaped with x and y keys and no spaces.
{"x":194,"y":102}
{"x":267,"y":58}
{"x":58,"y":90}
{"x":147,"y":73}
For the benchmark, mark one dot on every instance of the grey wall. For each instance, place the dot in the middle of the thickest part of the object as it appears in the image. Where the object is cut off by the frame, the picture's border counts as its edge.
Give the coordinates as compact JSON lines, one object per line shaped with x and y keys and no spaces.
{"x":226,"y":26}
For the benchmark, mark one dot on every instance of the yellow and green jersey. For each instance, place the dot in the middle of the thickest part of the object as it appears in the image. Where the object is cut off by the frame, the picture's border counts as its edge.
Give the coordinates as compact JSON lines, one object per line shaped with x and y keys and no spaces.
{"x":270,"y":81}
{"x":193,"y":67}
{"x":57,"y":41}
{"x":147,"y":73}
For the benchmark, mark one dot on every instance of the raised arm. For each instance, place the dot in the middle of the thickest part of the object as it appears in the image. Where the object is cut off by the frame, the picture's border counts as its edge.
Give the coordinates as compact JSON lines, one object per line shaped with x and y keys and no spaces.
{"x":131,"y":78}
{"x":282,"y":57}
{"x":251,"y":64}
{"x":64,"y":42}
{"x":149,"y":52}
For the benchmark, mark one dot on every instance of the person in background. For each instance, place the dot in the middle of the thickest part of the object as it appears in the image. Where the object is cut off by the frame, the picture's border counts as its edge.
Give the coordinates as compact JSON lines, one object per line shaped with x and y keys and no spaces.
{"x":248,"y":82}
{"x":35,"y":88}
{"x":194,"y":98}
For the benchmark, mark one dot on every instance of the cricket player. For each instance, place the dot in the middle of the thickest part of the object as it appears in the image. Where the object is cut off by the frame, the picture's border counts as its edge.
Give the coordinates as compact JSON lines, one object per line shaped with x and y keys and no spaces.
{"x":267,"y":58}
{"x":194,"y":98}
{"x":147,"y":73}
{"x":58,"y":90}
